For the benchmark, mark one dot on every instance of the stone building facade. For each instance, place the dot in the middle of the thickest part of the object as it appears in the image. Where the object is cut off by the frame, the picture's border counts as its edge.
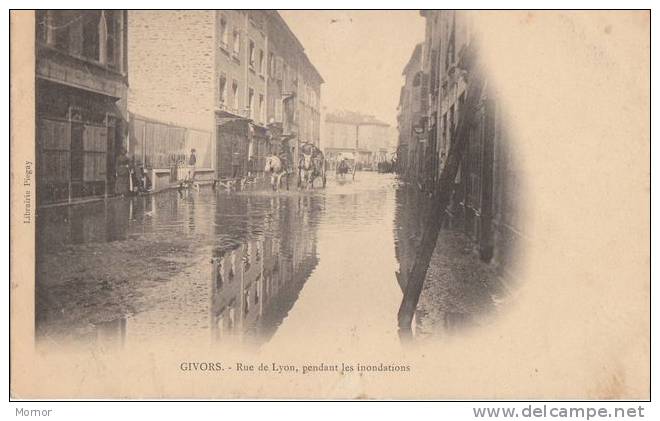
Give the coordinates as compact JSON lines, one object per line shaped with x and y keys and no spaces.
{"x":486,"y":202}
{"x":294,"y":91}
{"x":411,"y":111}
{"x":81,"y":85}
{"x":231,"y":77}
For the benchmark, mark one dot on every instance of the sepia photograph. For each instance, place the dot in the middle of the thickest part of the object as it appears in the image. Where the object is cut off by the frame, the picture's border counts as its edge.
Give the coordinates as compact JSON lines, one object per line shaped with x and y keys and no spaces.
{"x":330,"y":204}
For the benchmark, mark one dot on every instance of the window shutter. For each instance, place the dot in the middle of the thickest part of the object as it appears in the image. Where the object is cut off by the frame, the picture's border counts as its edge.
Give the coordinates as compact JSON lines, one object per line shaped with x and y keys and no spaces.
{"x":278,"y":71}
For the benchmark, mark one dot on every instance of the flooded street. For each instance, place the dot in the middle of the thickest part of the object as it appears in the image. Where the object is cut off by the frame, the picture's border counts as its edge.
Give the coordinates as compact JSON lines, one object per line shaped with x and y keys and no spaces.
{"x":329,"y":204}
{"x":222,"y":266}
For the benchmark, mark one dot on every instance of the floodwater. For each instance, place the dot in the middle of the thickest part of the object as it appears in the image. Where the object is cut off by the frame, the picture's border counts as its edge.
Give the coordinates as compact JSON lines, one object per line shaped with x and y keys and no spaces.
{"x":252,"y":267}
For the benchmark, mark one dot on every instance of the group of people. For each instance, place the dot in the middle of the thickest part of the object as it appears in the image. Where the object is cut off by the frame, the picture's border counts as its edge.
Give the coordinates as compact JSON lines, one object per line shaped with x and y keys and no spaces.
{"x":134,"y":179}
{"x":387,"y":166}
{"x":131,"y":179}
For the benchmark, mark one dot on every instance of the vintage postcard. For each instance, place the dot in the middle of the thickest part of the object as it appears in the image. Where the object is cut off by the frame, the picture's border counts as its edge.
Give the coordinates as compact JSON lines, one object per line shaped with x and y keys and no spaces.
{"x":330,"y":204}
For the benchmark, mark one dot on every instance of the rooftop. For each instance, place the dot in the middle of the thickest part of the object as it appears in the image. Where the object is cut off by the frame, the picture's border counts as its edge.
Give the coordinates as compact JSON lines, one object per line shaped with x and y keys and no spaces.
{"x":414,"y":59}
{"x":353,"y":117}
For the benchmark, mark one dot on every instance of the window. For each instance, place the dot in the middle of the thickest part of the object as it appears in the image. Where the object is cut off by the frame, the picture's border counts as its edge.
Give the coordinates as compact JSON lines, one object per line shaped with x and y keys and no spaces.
{"x":237,"y":42}
{"x":251,"y":53}
{"x":234,"y":92}
{"x":93,"y":34}
{"x":114,"y":39}
{"x":224,"y":33}
{"x":44,"y":26}
{"x":60,"y":23}
{"x":271,"y":65}
{"x":278,"y":109}
{"x":90,"y":34}
{"x":222,"y":89}
{"x":261,"y":62}
{"x":285,"y":71}
{"x":279,"y":66}
{"x":250,"y":103}
{"x":262,"y":109}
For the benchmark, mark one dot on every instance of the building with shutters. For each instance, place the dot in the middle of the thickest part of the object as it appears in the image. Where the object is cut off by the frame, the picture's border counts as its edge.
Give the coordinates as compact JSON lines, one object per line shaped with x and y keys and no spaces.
{"x":294,"y":92}
{"x":235,"y":79}
{"x":81,"y":89}
{"x":486,"y":199}
{"x":410,"y":118}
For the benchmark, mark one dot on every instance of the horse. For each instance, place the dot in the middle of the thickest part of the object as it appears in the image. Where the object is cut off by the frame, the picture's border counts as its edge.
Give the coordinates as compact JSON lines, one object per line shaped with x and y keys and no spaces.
{"x":276,"y":169}
{"x":311,"y":166}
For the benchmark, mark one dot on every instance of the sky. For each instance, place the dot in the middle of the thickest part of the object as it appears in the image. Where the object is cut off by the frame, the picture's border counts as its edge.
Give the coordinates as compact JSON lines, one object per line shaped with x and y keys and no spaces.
{"x":360,"y":55}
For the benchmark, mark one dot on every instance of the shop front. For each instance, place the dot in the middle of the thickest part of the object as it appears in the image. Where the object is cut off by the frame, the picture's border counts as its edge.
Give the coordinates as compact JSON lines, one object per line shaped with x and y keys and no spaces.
{"x":79,"y":135}
{"x":232,"y":146}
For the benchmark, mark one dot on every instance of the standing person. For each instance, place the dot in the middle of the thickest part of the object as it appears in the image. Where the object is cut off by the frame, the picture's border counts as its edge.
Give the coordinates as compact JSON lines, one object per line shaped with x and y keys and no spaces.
{"x":192,"y":163}
{"x":122,"y":173}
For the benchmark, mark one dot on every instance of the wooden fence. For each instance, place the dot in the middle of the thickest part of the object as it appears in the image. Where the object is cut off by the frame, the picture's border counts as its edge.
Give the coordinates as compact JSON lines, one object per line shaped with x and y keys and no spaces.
{"x":161,"y":145}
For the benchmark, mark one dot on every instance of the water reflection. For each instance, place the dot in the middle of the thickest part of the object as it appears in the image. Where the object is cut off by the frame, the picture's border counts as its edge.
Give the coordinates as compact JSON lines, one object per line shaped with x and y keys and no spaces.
{"x":223,"y":268}
{"x":256,"y":283}
{"x":408,"y":229}
{"x":194,"y":264}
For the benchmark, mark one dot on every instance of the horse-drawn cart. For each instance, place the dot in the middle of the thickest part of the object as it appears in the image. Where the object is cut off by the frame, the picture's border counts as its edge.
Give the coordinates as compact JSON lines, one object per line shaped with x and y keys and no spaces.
{"x":311,"y":166}
{"x":345,"y":165}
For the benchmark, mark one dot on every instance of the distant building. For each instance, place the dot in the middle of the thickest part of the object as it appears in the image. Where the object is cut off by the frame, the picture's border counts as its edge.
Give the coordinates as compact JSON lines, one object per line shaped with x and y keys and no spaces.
{"x":364,"y":137}
{"x":81,"y":84}
{"x":230,"y":83}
